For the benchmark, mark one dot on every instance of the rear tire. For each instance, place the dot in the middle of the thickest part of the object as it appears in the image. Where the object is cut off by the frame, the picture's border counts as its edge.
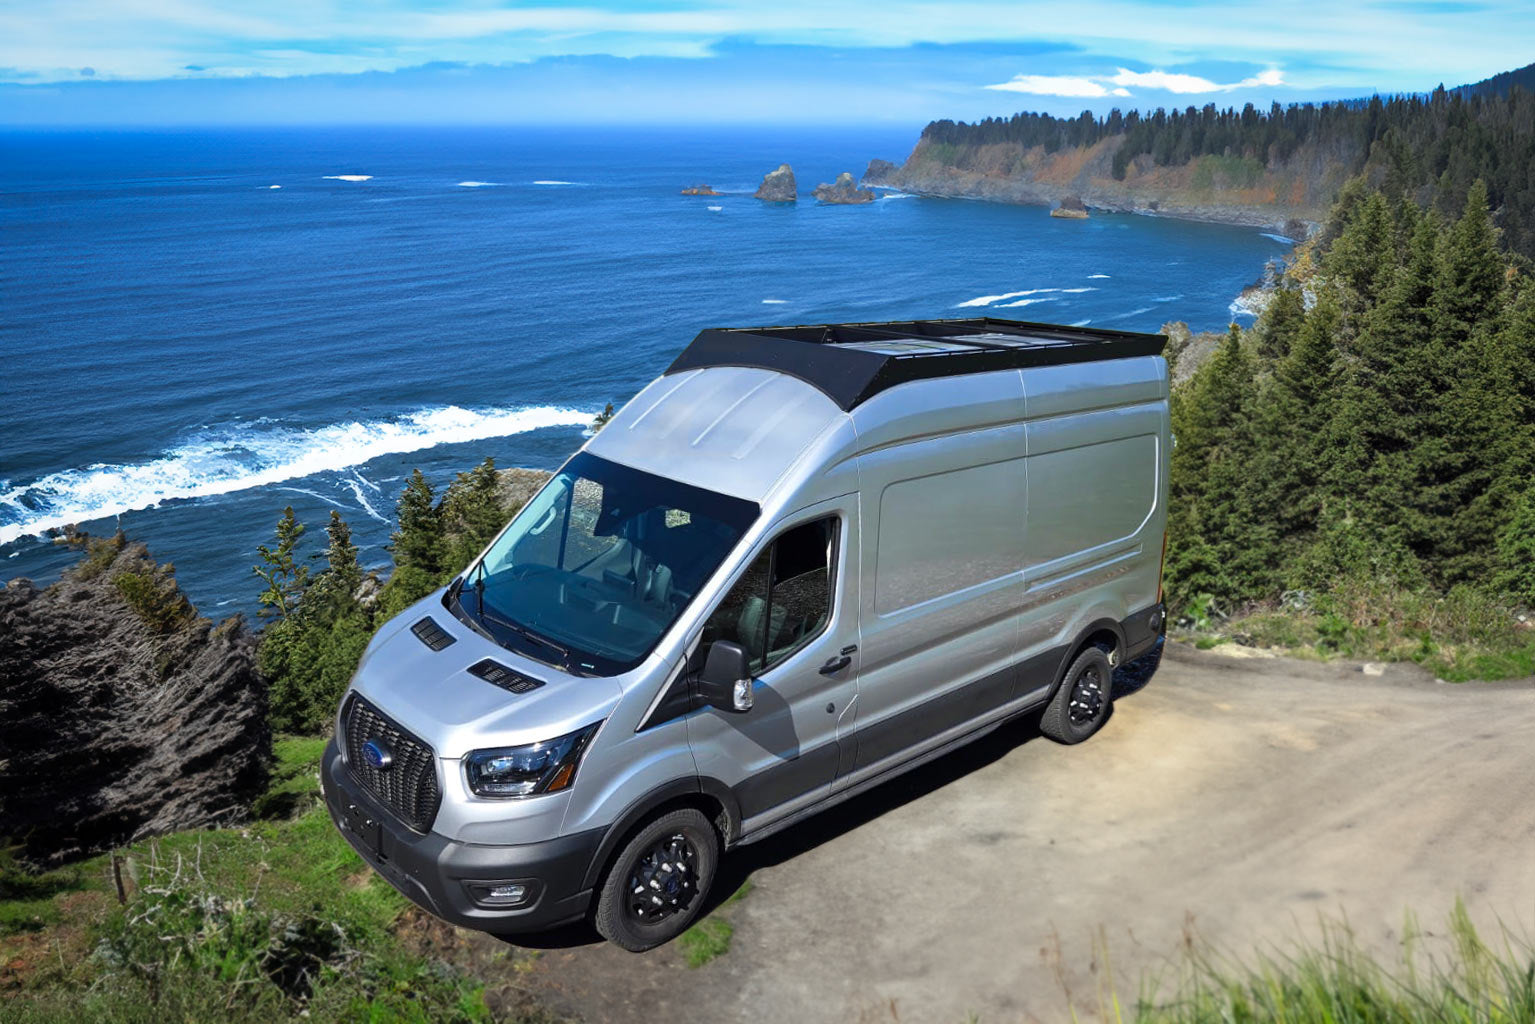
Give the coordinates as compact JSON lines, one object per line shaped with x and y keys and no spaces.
{"x":657,"y":884}
{"x":1081,"y":703}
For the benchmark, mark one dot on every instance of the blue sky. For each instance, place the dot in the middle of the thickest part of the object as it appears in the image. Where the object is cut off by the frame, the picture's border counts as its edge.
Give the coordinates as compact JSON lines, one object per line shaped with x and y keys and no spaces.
{"x":490,"y":61}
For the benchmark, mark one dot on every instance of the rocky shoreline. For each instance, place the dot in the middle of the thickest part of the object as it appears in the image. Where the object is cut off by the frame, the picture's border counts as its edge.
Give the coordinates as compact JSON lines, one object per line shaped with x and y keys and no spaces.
{"x":930,"y":179}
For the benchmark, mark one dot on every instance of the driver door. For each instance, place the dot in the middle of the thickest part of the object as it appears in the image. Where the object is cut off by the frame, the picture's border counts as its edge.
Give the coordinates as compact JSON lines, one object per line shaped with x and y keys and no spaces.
{"x":794,"y":610}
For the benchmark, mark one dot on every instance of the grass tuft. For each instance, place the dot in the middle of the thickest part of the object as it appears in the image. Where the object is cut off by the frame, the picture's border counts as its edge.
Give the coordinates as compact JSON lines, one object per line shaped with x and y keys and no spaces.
{"x":710,"y":937}
{"x":1464,"y":981}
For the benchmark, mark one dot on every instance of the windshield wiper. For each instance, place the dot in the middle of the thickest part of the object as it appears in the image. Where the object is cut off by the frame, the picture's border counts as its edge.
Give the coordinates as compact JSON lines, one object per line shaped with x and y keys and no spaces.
{"x":528,"y":634}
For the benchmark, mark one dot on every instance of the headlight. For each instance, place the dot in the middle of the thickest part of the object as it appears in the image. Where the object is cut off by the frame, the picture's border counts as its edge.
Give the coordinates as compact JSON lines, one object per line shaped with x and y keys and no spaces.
{"x":523,"y":771}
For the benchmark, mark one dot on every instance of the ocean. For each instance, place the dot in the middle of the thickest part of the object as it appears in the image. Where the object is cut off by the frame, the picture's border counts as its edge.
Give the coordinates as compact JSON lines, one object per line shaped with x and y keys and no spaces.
{"x":201,"y":327}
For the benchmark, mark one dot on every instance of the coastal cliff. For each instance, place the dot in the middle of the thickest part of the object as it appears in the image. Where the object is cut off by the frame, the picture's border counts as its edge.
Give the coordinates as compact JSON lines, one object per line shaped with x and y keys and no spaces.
{"x":1286,"y":197}
{"x":1280,"y":168}
{"x":122,"y":713}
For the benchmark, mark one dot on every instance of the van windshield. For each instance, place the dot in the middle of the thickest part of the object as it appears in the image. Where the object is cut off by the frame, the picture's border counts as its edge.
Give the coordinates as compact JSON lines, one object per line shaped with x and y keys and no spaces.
{"x":594,"y":570}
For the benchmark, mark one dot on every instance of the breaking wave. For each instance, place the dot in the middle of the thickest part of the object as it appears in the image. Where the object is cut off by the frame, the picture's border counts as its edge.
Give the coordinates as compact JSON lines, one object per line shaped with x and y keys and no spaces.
{"x":478,"y":184}
{"x":1026,"y":302}
{"x":240,"y":456}
{"x":774,"y":302}
{"x":348,"y":177}
{"x":1281,"y":239}
{"x":553,"y":181}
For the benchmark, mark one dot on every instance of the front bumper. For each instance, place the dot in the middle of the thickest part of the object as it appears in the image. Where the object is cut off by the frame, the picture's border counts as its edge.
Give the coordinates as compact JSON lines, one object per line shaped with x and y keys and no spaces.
{"x":432,"y":871}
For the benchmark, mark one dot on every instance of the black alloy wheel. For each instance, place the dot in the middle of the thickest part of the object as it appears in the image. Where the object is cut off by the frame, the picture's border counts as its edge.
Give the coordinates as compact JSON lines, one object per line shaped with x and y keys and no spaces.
{"x":664,"y":880}
{"x":657,"y":883}
{"x":1082,"y":701}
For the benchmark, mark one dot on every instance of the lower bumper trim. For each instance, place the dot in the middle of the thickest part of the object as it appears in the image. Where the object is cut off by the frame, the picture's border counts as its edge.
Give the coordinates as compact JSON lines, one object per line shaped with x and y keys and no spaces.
{"x":433,"y":872}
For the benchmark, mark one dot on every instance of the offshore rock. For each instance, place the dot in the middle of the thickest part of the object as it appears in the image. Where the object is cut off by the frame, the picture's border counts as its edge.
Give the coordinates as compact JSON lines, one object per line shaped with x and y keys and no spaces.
{"x":778,"y":186}
{"x":122,"y":714}
{"x":1070,"y":207}
{"x":700,"y":190}
{"x":879,"y":172}
{"x":844,"y":191}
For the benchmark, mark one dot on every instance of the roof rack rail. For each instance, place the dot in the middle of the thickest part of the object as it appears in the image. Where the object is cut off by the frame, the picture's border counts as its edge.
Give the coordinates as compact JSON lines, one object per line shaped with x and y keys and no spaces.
{"x":851,"y":363}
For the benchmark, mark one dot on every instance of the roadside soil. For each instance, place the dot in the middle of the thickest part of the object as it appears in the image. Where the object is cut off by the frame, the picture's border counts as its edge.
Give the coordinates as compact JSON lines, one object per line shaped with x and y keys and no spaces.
{"x":1230,"y":802}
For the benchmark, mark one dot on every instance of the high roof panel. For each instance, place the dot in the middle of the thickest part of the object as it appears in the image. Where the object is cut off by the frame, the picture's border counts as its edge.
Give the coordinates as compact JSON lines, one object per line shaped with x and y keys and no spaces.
{"x":850,"y":363}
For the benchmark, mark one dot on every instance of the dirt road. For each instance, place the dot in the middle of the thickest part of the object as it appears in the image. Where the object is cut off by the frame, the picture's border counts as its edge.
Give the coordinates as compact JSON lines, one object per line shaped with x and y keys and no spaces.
{"x":1236,"y":798}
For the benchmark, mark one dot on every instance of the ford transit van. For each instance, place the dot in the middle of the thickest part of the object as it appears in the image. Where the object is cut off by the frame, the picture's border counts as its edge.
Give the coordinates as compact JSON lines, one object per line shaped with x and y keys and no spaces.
{"x":801,"y":561}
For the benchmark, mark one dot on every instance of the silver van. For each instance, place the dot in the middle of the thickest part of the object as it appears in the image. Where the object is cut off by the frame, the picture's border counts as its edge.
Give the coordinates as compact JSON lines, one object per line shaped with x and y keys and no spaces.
{"x":800,"y":562}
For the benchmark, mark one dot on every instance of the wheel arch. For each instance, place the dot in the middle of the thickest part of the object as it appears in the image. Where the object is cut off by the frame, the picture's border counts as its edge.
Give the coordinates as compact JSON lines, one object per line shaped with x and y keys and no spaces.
{"x":710,"y":796}
{"x":1098,"y":633}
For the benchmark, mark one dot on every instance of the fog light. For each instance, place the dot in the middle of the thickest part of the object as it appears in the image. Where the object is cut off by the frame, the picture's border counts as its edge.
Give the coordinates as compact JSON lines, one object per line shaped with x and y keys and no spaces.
{"x":500,"y":894}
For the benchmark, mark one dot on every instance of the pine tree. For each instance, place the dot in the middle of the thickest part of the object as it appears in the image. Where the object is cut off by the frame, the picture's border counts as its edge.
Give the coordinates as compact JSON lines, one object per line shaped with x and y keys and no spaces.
{"x":284,"y":577}
{"x":418,"y":540}
{"x":1210,"y":421}
{"x":472,"y":515}
{"x":1515,"y":575}
{"x":1281,"y":322}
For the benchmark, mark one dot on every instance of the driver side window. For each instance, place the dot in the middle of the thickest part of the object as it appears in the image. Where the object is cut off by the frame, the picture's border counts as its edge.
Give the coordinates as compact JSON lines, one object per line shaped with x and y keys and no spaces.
{"x":783,"y":601}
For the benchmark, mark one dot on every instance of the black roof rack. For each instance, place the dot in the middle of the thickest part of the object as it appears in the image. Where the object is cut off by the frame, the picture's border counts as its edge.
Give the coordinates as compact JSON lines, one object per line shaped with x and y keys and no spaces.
{"x":852,"y":363}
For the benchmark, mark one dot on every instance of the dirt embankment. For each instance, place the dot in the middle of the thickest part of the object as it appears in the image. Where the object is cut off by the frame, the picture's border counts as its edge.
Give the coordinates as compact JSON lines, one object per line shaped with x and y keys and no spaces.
{"x":1236,"y":801}
{"x":1286,"y":197}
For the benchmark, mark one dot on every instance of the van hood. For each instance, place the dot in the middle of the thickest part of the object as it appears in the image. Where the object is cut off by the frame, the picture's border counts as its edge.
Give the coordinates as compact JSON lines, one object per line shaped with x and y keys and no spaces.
{"x":433,"y":694}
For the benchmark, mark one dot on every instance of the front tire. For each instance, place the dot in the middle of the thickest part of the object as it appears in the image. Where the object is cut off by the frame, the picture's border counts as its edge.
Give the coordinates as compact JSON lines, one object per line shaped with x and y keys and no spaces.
{"x":1081,"y":703}
{"x":657,"y":884}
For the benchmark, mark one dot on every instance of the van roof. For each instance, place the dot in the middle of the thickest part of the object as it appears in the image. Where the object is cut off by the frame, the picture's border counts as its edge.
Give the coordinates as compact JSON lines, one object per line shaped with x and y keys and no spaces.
{"x":851,"y":363}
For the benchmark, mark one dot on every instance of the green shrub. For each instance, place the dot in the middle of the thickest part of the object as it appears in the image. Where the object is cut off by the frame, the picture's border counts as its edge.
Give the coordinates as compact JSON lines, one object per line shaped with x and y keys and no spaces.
{"x":155,"y":598}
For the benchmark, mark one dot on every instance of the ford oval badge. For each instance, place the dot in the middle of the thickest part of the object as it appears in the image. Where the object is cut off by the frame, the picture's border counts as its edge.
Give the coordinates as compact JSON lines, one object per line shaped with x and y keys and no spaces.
{"x":376,"y":753}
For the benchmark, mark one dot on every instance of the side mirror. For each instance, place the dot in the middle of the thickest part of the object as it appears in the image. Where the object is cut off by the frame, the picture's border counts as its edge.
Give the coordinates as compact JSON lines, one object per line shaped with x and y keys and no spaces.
{"x":726,"y":681}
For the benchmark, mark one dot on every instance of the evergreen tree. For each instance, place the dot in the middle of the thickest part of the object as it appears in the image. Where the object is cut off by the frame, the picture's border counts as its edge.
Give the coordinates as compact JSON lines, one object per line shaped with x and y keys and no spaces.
{"x":472,"y":514}
{"x":418,"y":540}
{"x":284,"y":577}
{"x":310,"y":655}
{"x":1515,"y":577}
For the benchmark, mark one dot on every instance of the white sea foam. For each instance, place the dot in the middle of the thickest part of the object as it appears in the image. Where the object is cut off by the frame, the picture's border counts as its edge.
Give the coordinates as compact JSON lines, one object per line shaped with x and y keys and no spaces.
{"x":274,"y":186}
{"x":244,"y":455}
{"x":313,"y":494}
{"x":553,"y":181}
{"x":774,"y":302}
{"x":1078,"y":291}
{"x":1026,"y":302}
{"x":1133,"y":312}
{"x":362,"y":499}
{"x":1080,"y":323}
{"x":1167,"y":298}
{"x":1251,"y":302}
{"x":715,"y":209}
{"x":987,"y":300}
{"x":1094,"y":277}
{"x":1281,"y":239}
{"x":478,"y":184}
{"x":348,"y":177}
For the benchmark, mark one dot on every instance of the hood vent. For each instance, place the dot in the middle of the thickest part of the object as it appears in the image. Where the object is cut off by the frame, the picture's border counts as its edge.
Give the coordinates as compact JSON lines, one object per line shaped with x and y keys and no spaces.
{"x":498,"y":674}
{"x":431,"y":634}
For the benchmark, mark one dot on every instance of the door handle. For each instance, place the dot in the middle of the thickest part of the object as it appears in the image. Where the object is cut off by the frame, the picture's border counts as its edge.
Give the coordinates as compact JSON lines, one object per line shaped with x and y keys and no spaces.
{"x":835,"y":665}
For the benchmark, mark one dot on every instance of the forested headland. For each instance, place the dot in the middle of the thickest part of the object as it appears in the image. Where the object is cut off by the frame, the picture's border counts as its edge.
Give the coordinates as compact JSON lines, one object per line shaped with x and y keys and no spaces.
{"x":1281,"y":162}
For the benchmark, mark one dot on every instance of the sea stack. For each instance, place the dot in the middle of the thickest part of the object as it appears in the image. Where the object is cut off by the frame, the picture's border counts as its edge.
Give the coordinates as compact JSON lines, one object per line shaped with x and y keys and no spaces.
{"x":1071,"y":207}
{"x":699,"y":190}
{"x":778,"y":186}
{"x":845,"y":191}
{"x":879,"y":172}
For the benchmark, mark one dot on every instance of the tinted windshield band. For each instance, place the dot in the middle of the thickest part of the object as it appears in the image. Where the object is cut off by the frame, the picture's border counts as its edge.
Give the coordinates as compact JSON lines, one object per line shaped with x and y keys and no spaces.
{"x":598,"y":565}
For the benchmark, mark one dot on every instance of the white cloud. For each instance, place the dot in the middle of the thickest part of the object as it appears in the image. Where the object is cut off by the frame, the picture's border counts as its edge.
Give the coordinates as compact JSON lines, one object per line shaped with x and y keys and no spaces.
{"x":1095,"y":86}
{"x":1053,"y":85}
{"x":1173,"y":82}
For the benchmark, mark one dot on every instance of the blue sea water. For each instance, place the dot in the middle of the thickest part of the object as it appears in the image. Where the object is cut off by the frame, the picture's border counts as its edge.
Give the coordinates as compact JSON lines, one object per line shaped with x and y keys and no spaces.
{"x":200,"y":327}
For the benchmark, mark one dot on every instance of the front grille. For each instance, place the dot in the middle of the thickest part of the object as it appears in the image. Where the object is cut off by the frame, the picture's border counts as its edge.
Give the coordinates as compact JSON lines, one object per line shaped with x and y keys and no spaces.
{"x":408,"y":785}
